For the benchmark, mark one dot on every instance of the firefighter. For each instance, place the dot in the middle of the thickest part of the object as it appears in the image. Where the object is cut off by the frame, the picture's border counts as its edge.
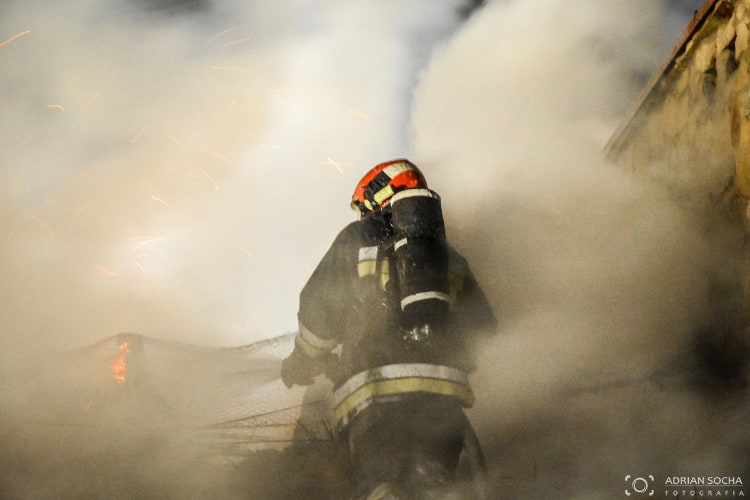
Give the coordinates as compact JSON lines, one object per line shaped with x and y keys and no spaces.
{"x":407,"y":314}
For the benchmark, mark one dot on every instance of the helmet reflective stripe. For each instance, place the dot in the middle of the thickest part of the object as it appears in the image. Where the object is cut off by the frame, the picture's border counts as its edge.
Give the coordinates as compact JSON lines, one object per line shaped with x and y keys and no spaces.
{"x":391,"y":381}
{"x":408,"y":193}
{"x":395,"y":169}
{"x":383,"y":181}
{"x":424,"y":296}
{"x":383,"y":195}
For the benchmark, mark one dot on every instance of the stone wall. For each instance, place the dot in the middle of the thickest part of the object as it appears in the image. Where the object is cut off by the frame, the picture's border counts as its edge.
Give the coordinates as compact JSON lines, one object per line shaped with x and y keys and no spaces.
{"x":690,"y":131}
{"x":691,"y":127}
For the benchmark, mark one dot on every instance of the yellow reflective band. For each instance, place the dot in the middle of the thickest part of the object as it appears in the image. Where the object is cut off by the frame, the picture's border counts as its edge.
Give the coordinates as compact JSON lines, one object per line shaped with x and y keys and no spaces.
{"x":313,"y":345}
{"x":366,"y":268}
{"x":389,"y":382}
{"x":383,"y":194}
{"x":368,"y":204}
{"x":309,"y":349}
{"x":364,"y":396}
{"x":385,"y":273}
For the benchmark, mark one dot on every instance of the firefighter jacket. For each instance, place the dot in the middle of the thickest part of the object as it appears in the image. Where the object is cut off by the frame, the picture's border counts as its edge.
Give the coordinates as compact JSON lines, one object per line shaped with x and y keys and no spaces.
{"x":352,"y":299}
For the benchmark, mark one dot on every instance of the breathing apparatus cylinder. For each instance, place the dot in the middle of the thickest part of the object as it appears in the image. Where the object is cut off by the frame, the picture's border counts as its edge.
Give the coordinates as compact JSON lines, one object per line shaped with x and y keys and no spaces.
{"x":421,"y":255}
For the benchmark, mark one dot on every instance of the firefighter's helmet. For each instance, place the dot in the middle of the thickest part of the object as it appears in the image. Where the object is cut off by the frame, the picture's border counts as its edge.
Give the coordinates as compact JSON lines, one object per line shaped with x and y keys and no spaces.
{"x":384,"y":180}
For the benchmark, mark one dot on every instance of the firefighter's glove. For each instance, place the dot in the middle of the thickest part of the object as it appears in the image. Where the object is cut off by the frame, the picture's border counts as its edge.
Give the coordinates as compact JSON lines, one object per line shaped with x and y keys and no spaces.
{"x":298,"y":368}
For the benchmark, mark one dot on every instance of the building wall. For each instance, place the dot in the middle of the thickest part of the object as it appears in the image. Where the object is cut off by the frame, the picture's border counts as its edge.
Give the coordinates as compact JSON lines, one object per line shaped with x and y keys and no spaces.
{"x":686,"y":129}
{"x":691,"y":132}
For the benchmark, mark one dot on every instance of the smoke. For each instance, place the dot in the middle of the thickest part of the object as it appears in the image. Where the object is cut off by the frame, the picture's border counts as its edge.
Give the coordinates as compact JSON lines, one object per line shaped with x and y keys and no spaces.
{"x":177,"y":169}
{"x":563,"y":235}
{"x":600,"y":278}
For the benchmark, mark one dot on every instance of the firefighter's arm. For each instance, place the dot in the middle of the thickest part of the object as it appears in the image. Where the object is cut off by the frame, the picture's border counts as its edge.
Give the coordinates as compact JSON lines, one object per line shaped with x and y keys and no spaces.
{"x":472,"y":317}
{"x":311,"y":357}
{"x":322,"y":300}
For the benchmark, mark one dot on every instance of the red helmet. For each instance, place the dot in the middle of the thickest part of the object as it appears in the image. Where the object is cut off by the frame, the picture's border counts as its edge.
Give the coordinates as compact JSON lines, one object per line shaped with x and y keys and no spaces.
{"x":383,"y":181}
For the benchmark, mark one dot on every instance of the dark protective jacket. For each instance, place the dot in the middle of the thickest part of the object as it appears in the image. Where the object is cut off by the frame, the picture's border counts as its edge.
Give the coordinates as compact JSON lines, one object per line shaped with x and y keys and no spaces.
{"x":352,"y":299}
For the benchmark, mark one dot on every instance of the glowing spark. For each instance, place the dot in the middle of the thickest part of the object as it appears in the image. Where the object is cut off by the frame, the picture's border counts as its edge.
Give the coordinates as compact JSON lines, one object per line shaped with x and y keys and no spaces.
{"x":107,"y":272}
{"x":139,"y":134}
{"x":334,"y":163}
{"x":221,"y":33}
{"x":177,"y":141}
{"x":41,"y":223}
{"x":216,"y":154}
{"x":236,"y":42}
{"x":138,"y":264}
{"x":216,"y":186}
{"x":140,"y":241}
{"x":56,"y":106}
{"x":83,"y":208}
{"x":231,"y":68}
{"x":245,"y":250}
{"x":359,"y":113}
{"x":159,"y":200}
{"x":14,"y":37}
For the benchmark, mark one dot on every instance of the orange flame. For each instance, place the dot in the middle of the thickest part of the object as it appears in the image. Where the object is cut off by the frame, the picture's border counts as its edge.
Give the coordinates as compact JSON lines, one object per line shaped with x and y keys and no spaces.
{"x":119,"y":365}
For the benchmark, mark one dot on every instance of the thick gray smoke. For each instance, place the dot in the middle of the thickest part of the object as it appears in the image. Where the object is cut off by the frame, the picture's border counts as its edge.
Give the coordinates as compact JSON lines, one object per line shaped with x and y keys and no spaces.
{"x":568,"y":243}
{"x":600,"y":279}
{"x":177,"y":169}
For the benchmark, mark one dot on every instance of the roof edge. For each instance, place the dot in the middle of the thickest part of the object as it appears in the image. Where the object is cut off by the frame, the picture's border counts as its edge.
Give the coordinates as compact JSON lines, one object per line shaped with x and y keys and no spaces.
{"x":699,"y":18}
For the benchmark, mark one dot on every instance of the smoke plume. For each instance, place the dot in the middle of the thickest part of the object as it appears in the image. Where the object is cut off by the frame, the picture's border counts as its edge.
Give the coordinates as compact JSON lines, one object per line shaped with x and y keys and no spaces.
{"x":600,"y":278}
{"x":177,"y":168}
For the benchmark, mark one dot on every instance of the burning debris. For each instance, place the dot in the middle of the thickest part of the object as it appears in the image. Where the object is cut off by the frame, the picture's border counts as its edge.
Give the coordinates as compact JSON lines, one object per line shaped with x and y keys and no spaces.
{"x":119,"y":365}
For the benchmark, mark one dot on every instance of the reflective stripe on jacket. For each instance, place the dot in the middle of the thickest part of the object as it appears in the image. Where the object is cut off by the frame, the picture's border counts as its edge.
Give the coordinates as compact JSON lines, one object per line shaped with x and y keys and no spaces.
{"x":395,"y":381}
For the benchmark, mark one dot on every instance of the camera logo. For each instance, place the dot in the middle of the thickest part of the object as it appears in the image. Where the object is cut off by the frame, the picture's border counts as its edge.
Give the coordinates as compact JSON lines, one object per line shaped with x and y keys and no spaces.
{"x":639,"y":485}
